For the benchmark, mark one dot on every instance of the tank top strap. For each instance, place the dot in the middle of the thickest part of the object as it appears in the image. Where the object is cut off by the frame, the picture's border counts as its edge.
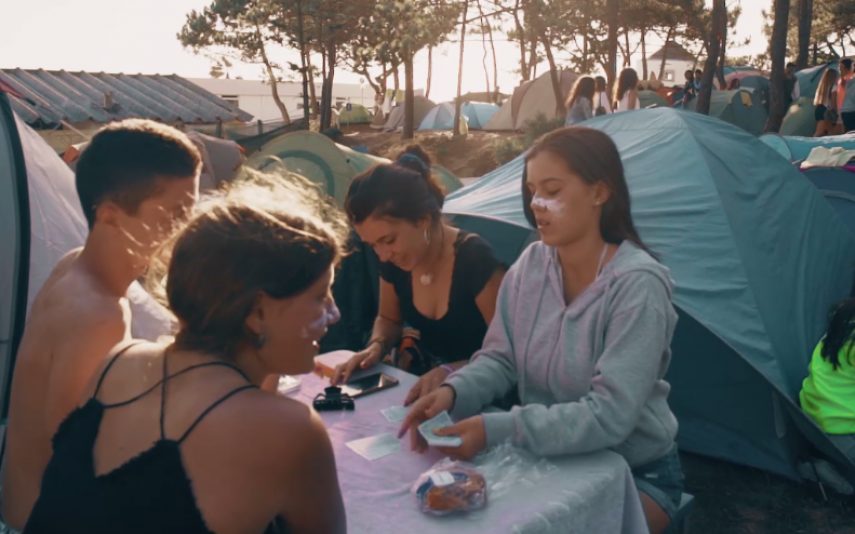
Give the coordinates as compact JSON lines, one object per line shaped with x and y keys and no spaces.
{"x":166,"y":378}
{"x":111,"y":362}
{"x":210,"y":408}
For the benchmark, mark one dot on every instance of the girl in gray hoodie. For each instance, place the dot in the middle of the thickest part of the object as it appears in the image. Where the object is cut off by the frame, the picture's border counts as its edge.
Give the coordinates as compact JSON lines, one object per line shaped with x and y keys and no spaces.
{"x":582,"y":329}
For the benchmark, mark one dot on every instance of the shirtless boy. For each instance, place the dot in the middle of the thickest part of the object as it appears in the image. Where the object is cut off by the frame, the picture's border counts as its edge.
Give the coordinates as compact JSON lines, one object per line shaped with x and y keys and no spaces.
{"x":134,"y":180}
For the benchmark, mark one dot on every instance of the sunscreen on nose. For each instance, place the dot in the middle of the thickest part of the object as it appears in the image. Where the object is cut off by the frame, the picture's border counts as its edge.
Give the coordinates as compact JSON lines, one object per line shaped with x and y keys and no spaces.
{"x":551,"y":205}
{"x":330,"y":316}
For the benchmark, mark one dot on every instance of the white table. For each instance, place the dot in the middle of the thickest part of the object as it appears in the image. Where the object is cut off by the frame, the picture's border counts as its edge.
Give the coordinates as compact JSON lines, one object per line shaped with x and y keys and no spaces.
{"x":592,"y":493}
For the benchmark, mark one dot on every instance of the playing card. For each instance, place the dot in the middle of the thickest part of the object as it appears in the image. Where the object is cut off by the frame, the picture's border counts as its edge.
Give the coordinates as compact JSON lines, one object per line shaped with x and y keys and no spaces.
{"x":375,"y":447}
{"x":394,"y":414}
{"x":442,"y":420}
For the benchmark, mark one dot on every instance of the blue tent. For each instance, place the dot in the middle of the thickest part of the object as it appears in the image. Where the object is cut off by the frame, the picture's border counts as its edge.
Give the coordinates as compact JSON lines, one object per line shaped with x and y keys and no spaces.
{"x":809,"y":78}
{"x":441,"y":117}
{"x":742,"y":107}
{"x":797,"y":148}
{"x":479,"y":113}
{"x":758,"y":257}
{"x":838,"y":187}
{"x":476,"y":114}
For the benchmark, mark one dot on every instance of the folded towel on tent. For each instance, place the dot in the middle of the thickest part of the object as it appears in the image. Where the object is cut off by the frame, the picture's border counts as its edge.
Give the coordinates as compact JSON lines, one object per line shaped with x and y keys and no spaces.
{"x":821,"y":156}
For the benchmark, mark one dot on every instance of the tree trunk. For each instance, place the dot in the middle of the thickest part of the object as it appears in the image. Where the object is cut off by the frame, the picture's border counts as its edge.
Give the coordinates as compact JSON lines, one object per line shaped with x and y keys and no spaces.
{"x":495,"y":97}
{"x":327,"y":87}
{"x":612,"y":19}
{"x":805,"y":18}
{"x":409,"y":103}
{"x":457,"y":103}
{"x":627,"y":54}
{"x":397,"y":80}
{"x":484,"y":46}
{"x":778,"y":53}
{"x":313,"y":95}
{"x":532,"y":58}
{"x":643,"y":54}
{"x":304,"y":63}
{"x":523,"y":48}
{"x":271,"y":77}
{"x":722,"y":56}
{"x":429,"y":72}
{"x":553,"y":74}
{"x":719,"y":22}
{"x":668,"y":37}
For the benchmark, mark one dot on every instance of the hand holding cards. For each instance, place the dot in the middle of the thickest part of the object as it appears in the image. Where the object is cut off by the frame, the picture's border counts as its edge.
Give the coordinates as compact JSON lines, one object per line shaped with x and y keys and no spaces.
{"x":442,"y":420}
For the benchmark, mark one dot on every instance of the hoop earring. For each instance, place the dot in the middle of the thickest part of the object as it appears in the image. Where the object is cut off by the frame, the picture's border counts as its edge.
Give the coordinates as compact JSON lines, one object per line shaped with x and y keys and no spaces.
{"x":260,"y":341}
{"x":427,"y":234}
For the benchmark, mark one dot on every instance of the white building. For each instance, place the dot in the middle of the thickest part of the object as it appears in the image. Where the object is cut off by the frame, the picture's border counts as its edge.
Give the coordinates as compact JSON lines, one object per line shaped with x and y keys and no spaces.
{"x":255,"y":97}
{"x":677,"y":61}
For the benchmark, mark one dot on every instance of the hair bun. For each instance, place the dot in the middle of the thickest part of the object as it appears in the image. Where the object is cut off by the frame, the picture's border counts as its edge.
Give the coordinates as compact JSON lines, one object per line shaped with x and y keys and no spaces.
{"x":415,"y":158}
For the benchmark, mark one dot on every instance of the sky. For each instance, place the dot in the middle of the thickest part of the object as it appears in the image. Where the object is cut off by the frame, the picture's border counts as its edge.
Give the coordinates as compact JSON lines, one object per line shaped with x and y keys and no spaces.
{"x":132,"y":37}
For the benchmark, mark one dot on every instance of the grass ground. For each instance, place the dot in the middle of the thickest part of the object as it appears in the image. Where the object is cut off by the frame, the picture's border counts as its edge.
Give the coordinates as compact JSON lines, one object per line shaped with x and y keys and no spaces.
{"x":473,"y":155}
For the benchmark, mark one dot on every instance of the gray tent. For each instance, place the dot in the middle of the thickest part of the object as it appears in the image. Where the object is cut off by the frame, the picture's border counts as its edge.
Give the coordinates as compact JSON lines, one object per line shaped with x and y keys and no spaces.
{"x":41,"y":215}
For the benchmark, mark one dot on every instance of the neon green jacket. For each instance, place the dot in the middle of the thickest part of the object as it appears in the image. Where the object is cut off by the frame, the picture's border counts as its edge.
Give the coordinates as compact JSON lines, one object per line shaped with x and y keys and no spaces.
{"x":828,"y":395}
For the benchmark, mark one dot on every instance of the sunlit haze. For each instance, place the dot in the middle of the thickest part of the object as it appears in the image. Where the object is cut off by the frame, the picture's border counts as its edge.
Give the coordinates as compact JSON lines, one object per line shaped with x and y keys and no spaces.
{"x":140,"y":37}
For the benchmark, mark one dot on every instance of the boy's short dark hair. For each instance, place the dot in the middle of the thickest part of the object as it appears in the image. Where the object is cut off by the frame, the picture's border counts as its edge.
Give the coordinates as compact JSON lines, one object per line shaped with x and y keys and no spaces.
{"x":124,"y":161}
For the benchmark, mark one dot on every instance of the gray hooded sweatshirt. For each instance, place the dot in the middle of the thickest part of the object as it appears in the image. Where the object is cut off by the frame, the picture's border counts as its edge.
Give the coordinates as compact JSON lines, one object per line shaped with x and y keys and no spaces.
{"x":589,"y":374}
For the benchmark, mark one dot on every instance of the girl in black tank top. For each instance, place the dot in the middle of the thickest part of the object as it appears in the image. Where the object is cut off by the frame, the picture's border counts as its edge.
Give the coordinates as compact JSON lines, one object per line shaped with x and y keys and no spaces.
{"x":149,"y":493}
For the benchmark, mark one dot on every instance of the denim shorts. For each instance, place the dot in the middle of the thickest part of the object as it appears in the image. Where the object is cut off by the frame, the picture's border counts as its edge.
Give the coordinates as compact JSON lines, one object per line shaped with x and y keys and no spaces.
{"x":662,"y":481}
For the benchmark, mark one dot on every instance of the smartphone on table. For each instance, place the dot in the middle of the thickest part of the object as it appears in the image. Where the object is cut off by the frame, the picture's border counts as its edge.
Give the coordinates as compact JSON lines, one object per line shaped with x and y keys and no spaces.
{"x":367,"y":384}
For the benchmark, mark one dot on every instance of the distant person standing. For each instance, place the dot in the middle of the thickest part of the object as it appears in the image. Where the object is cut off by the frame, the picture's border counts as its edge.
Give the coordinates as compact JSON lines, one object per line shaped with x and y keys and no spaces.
{"x":699,"y":76}
{"x":791,"y":84}
{"x":689,"y":90}
{"x":626,"y":92}
{"x":825,"y":104}
{"x":601,"y":97}
{"x":580,"y":103}
{"x":846,"y":95}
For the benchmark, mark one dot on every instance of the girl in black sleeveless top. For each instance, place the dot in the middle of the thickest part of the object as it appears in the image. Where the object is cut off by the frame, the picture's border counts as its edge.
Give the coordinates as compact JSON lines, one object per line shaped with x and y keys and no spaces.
{"x":242,"y":323}
{"x":436,"y":279}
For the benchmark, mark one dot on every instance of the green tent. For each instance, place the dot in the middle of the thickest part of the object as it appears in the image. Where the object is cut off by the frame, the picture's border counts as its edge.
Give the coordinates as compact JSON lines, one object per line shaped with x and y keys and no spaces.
{"x":354,"y":114}
{"x":651,"y":99}
{"x":326,"y":163}
{"x":757,"y":254}
{"x":741,"y":108}
{"x":799,"y":119}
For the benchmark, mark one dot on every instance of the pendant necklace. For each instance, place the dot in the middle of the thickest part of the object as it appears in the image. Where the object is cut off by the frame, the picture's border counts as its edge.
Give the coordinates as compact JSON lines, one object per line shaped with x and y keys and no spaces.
{"x":426,"y":279}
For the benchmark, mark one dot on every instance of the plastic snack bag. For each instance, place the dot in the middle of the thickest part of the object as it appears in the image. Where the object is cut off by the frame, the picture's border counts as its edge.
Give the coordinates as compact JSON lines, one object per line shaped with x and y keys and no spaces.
{"x":450,"y":487}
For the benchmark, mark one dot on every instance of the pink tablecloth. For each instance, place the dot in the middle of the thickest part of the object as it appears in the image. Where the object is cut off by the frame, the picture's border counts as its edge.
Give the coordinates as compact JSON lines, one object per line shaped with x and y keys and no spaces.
{"x":592,"y":493}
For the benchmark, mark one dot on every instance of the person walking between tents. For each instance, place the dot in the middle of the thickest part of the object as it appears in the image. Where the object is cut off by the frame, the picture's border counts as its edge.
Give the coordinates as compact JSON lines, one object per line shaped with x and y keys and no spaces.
{"x":626,"y":91}
{"x":825,"y":104}
{"x":846,"y":94}
{"x":601,"y":98}
{"x":580,"y":102}
{"x":689,"y":90}
{"x":435,"y":278}
{"x":582,"y":331}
